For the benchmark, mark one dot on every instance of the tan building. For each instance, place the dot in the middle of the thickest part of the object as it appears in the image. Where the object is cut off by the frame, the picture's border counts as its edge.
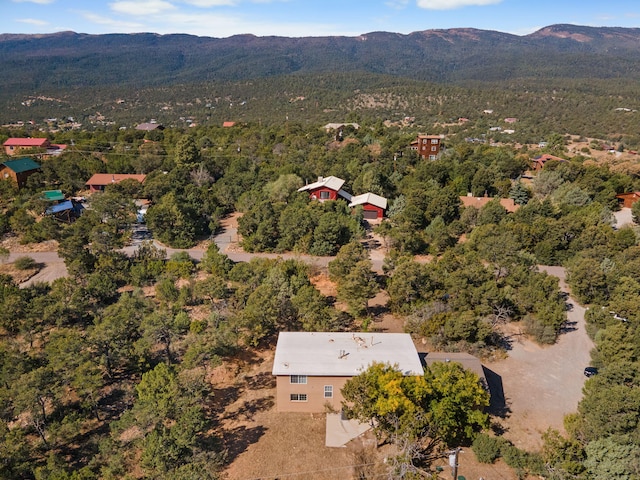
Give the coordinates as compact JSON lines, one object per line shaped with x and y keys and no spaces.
{"x":312,"y":367}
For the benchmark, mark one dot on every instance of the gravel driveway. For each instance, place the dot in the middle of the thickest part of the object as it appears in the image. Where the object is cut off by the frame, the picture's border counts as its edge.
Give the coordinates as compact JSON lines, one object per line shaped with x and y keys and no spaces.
{"x":543,"y":384}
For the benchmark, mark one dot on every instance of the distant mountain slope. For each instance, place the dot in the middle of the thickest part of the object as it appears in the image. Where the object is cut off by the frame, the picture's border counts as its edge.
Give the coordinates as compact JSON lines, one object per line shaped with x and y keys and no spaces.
{"x":68,"y":59}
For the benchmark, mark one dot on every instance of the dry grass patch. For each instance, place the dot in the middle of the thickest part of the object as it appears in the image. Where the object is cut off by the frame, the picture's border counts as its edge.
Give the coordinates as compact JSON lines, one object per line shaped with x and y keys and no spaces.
{"x":19,"y":276}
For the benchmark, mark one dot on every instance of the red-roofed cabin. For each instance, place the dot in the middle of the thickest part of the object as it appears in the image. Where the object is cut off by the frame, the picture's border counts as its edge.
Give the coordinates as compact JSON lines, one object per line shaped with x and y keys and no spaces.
{"x":99,"y":181}
{"x":628,"y":199}
{"x":15,"y":146}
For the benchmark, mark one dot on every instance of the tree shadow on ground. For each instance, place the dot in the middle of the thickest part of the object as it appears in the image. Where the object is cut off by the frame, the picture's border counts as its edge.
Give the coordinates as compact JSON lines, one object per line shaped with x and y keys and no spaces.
{"x":222,"y":398}
{"x":238,"y":440}
{"x":250,"y":408}
{"x":260,"y":381}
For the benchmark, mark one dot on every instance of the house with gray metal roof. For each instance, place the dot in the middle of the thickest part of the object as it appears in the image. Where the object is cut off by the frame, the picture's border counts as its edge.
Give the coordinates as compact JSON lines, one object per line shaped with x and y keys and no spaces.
{"x":312,"y":367}
{"x":326,"y":188}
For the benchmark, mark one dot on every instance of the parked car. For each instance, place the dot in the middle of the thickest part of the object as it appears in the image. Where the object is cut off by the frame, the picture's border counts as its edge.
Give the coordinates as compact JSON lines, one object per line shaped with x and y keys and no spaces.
{"x":590,"y":371}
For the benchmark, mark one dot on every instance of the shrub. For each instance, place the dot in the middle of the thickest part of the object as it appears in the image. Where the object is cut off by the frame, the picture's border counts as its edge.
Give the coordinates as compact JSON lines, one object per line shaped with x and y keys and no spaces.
{"x":486,"y":447}
{"x":25,"y":263}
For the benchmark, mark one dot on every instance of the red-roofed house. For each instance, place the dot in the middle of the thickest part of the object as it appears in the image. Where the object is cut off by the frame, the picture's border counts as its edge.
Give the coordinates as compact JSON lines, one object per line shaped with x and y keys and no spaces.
{"x":99,"y":181}
{"x":14,"y":146}
{"x":628,"y":199}
{"x":228,"y":124}
{"x":479,"y":202}
{"x":373,"y":205}
{"x":329,"y":188}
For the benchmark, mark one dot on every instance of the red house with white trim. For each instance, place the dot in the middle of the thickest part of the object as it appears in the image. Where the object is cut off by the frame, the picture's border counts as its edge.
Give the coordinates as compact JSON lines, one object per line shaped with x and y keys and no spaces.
{"x":329,"y":188}
{"x":373,"y":205}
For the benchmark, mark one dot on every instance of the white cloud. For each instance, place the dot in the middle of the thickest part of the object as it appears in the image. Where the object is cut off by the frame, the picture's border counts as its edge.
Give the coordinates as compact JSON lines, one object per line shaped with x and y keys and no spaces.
{"x":40,"y":2}
{"x":32,"y":21}
{"x":216,"y":25}
{"x":453,"y":4}
{"x":211,"y":3}
{"x":140,"y":8}
{"x":115,"y":25}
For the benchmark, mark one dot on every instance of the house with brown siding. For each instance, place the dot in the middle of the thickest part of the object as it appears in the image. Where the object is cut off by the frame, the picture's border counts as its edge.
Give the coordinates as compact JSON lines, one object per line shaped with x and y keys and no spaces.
{"x":18,"y":170}
{"x":538,"y":162}
{"x":311,"y":368}
{"x":628,"y":199}
{"x":99,"y":181}
{"x":427,"y":146}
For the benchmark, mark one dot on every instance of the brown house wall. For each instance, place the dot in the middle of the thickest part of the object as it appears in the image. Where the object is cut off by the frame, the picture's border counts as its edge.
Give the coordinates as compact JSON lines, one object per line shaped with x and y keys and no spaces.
{"x":424,"y":148}
{"x":628,"y":199}
{"x":19,"y":178}
{"x":6,"y":173}
{"x":314,"y":388}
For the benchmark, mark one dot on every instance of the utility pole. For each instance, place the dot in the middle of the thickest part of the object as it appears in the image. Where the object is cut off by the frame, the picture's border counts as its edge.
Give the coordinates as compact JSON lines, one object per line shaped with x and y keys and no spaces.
{"x":453,"y":462}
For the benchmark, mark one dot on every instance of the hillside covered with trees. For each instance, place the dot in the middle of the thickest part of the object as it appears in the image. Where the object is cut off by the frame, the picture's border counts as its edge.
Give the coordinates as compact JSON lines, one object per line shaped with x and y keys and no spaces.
{"x":563,"y":78}
{"x":104,"y":372}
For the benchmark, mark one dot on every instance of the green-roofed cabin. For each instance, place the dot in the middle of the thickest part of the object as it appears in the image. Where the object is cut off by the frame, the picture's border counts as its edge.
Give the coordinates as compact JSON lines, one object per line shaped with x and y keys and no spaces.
{"x":53,"y":195}
{"x":18,"y":170}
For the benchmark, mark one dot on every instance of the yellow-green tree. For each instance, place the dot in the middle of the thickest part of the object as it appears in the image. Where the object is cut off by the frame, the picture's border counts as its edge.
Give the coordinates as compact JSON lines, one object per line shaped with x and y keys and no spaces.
{"x":444,"y":407}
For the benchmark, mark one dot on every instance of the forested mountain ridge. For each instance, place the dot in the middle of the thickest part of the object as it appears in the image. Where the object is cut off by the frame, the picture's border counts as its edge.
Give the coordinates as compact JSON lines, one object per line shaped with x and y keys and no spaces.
{"x":561,"y":78}
{"x":454,"y":55}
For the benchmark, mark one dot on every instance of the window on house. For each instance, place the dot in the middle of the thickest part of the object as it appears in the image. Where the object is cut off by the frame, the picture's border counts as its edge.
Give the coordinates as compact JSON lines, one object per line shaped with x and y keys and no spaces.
{"x":328,"y":391}
{"x":432,"y":157}
{"x":324,"y":195}
{"x":299,"y":379}
{"x":298,"y":397}
{"x":434,"y":149}
{"x":424,"y":140}
{"x":434,"y":140}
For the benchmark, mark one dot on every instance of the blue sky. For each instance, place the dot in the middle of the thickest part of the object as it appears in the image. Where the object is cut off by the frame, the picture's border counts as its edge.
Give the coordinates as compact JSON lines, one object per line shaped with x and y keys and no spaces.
{"x":298,"y":18}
